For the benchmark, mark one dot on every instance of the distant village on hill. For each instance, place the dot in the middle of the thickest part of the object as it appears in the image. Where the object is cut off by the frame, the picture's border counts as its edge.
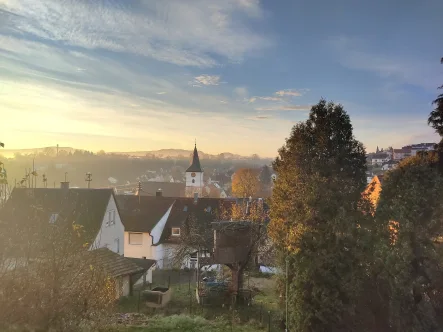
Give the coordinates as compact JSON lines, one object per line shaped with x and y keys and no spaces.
{"x":385,"y":159}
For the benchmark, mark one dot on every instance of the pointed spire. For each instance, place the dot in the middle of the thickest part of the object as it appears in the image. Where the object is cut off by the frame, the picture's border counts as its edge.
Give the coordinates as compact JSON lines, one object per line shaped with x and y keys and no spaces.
{"x":377,"y":151}
{"x":195,"y":165}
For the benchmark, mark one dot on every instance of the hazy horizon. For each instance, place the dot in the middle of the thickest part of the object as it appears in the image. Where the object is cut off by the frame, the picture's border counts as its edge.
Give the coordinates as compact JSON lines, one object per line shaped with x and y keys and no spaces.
{"x":236,"y":75}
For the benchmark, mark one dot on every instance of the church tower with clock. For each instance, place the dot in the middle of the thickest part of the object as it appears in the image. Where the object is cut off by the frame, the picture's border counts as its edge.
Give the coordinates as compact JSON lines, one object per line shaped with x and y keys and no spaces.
{"x":194,"y":176}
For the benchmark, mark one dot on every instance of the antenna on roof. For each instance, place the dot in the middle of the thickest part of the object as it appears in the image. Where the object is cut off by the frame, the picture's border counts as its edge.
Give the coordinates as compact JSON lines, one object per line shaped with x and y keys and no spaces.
{"x":139,"y":190}
{"x":88,"y":179}
{"x":45,"y":181}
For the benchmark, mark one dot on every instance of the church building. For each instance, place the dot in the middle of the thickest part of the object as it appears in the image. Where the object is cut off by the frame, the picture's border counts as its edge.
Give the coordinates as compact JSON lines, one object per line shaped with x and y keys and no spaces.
{"x":194,"y":177}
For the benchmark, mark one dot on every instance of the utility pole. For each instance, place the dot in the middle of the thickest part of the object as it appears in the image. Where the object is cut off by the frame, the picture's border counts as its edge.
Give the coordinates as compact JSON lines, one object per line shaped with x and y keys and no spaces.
{"x":88,"y":179}
{"x":66,"y":176}
{"x":139,"y":190}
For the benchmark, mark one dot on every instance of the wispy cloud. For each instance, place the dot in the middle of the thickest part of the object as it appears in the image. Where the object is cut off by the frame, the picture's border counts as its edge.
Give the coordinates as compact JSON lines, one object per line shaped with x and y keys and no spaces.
{"x":285,"y":108}
{"x":268,"y":98}
{"x":241,"y":92}
{"x":355,"y":53}
{"x":206,"y":80}
{"x":161,"y":93}
{"x":280,"y":95}
{"x":194,"y":33}
{"x":289,"y":93}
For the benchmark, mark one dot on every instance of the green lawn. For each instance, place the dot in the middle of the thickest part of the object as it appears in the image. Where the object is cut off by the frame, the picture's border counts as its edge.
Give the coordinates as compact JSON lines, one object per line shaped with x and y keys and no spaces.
{"x":187,"y":315}
{"x":185,"y":323}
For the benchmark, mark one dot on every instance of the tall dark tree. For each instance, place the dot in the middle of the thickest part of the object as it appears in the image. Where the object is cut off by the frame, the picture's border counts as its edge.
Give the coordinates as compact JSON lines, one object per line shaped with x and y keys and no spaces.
{"x":317,"y":219}
{"x":435,"y":119}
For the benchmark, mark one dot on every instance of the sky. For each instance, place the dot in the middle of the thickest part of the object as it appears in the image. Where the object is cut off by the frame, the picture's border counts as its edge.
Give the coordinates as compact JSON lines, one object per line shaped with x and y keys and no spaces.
{"x":235,"y":75}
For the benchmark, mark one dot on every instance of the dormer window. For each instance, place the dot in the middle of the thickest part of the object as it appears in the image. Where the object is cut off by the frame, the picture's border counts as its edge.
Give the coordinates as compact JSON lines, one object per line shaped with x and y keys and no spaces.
{"x":185,"y":208}
{"x":175,"y":231}
{"x":208,"y":209}
{"x":53,"y":218}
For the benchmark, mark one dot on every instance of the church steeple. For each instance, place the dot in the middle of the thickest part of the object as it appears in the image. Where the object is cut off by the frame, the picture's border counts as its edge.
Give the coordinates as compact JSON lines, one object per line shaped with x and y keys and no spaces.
{"x":194,"y":176}
{"x":377,"y":151}
{"x":195,"y":165}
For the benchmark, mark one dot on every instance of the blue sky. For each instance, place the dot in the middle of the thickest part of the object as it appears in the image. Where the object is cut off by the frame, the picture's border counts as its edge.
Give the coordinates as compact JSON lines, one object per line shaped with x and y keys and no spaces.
{"x":234,"y":74}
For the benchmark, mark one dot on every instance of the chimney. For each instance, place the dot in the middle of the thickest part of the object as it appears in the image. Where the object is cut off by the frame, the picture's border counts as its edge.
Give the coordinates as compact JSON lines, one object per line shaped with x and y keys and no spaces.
{"x":158,"y":193}
{"x":195,"y":198}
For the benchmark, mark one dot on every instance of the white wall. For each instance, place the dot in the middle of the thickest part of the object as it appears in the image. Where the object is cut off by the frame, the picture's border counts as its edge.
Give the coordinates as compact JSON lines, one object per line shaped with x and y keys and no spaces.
{"x":139,"y":250}
{"x":164,"y":255}
{"x":159,"y":227}
{"x":197,"y":186}
{"x":126,"y":285}
{"x":111,"y":236}
{"x":148,"y":274}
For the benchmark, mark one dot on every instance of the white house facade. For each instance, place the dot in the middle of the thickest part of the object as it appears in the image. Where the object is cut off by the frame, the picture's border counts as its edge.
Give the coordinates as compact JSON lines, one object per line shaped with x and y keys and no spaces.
{"x":111,"y":233}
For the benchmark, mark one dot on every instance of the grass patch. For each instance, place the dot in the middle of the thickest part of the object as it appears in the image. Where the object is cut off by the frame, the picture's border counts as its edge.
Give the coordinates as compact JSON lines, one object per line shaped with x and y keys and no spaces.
{"x":185,"y":323}
{"x":184,"y":302}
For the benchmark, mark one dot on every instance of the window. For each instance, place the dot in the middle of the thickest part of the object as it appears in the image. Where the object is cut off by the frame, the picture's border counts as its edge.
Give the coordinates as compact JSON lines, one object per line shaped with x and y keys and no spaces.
{"x":135,"y":238}
{"x":111,"y":218}
{"x":185,"y":208}
{"x":53,"y":218}
{"x":117,"y":245}
{"x":208,"y":209}
{"x":193,"y":181}
{"x":175,"y":231}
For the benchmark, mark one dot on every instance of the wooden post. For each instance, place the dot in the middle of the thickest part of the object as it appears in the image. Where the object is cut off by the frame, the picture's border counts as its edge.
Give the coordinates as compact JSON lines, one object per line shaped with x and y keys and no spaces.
{"x":269,"y":321}
{"x":138,"y":300}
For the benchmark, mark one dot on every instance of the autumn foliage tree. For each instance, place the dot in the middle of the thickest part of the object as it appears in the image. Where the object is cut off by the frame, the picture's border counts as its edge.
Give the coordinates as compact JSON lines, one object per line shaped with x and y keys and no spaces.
{"x":246,"y":182}
{"x":413,"y":259}
{"x":317,"y":222}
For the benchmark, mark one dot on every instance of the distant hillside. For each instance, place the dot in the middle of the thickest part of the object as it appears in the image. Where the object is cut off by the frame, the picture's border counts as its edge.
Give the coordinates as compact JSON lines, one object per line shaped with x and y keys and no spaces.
{"x":163,"y":153}
{"x":180,"y":153}
{"x":9,"y":153}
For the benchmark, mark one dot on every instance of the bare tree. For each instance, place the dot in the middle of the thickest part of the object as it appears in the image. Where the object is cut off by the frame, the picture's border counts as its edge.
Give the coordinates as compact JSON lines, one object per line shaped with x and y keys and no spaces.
{"x":247,"y":220}
{"x":48,"y":279}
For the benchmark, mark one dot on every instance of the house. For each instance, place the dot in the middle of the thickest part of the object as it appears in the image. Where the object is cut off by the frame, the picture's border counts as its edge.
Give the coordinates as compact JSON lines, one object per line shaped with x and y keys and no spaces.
{"x":422,"y":147}
{"x":95,"y":210}
{"x":168,"y":189}
{"x":144,"y":218}
{"x":153,"y":225}
{"x":124,"y":271}
{"x":380,"y":158}
{"x":404,"y":152}
{"x":390,"y":164}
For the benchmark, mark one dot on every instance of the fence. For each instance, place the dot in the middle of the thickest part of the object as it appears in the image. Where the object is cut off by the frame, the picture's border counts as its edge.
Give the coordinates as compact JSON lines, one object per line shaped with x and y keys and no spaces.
{"x":184,"y":301}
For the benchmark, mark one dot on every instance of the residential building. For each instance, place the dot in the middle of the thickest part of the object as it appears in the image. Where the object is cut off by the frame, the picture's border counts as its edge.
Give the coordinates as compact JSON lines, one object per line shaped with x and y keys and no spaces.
{"x":168,"y":189}
{"x":153,"y":225}
{"x":95,"y":210}
{"x":422,"y":147}
{"x":404,"y":152}
{"x":124,"y":271}
{"x":379,"y":159}
{"x":390,"y":164}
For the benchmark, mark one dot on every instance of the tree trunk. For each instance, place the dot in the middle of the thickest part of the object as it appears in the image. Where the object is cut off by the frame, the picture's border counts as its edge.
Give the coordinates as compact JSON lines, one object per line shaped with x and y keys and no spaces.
{"x":237,"y":281}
